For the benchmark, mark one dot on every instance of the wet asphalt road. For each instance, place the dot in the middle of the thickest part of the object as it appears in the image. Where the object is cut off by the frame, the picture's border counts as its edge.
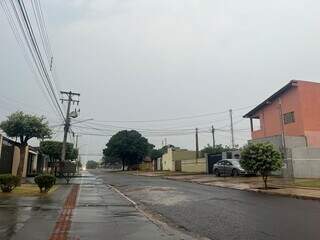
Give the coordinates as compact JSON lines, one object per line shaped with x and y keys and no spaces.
{"x":220,"y":213}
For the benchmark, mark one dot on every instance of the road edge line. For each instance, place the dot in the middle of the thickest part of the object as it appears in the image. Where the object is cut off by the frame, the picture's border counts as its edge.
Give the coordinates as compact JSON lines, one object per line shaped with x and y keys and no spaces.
{"x":163,"y":225}
{"x":122,"y":194}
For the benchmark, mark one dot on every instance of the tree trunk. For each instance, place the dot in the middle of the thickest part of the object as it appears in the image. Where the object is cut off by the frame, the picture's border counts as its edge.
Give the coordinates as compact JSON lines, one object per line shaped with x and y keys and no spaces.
{"x":265,"y":178}
{"x":123,"y":163}
{"x":21,"y":162}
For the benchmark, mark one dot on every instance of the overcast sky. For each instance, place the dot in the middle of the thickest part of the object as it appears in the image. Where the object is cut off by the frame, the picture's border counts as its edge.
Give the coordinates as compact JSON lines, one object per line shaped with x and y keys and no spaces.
{"x":163,"y":59}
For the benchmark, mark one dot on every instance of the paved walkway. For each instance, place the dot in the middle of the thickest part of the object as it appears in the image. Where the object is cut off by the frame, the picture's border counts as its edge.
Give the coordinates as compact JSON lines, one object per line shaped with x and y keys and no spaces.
{"x":281,"y":186}
{"x":85,"y":209}
{"x":102,"y":213}
{"x":23,"y":218}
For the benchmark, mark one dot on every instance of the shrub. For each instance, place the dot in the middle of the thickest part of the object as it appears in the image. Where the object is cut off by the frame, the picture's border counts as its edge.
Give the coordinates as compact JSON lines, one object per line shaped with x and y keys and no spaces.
{"x":8,"y":182}
{"x":262,"y":158}
{"x":45,"y":182}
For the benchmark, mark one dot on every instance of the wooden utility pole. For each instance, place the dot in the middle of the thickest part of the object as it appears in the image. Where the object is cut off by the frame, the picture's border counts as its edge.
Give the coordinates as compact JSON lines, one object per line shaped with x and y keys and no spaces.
{"x":213,"y":137}
{"x":231,"y":129}
{"x":197,"y":144}
{"x":69,"y":100}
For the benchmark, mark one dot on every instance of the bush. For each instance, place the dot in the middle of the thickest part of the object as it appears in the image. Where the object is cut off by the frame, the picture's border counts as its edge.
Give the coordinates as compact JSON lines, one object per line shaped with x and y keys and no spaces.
{"x":8,"y":182}
{"x":45,"y":182}
{"x":262,"y":158}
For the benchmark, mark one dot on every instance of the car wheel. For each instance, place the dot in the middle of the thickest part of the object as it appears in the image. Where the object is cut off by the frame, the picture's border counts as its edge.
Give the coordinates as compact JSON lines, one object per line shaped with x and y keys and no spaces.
{"x":235,"y":173}
{"x":217,"y":173}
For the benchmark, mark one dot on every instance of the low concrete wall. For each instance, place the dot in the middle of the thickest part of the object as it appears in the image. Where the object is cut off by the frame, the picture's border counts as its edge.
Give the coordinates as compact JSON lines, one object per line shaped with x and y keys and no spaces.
{"x":169,"y":159}
{"x":16,"y":161}
{"x":146,"y":166}
{"x":291,"y":141}
{"x":306,"y":162}
{"x":193,"y":165}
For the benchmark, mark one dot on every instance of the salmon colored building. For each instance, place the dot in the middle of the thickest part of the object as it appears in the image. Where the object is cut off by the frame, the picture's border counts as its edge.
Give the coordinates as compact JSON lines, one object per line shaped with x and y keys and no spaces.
{"x":294,"y":111}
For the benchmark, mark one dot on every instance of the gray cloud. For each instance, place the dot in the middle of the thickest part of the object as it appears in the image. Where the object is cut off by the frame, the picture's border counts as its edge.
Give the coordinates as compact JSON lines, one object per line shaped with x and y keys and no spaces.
{"x":143,"y":59}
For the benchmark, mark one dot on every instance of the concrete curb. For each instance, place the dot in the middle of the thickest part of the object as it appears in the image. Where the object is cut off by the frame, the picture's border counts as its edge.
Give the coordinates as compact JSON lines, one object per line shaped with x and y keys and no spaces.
{"x":291,"y":195}
{"x":133,"y":173}
{"x":252,"y":190}
{"x":283,"y":194}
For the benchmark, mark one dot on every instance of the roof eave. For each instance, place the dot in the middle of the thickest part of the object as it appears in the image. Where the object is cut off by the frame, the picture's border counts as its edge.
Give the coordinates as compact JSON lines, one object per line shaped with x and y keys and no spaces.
{"x":252,"y":113}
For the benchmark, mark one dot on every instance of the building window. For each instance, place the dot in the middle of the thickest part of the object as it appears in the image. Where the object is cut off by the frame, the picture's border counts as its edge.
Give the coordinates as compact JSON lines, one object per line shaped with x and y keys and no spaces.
{"x":288,"y":118}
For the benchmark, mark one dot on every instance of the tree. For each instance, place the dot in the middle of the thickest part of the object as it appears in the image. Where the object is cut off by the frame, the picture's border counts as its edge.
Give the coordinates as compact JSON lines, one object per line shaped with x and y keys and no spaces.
{"x":25,"y":127}
{"x":91,"y":164}
{"x":156,"y":153}
{"x":129,"y":146}
{"x":109,"y":161}
{"x":217,"y":149}
{"x":54,"y":148}
{"x":261,"y":158}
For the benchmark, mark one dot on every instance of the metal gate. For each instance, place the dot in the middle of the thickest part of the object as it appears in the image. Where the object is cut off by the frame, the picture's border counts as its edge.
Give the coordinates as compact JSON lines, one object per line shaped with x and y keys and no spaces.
{"x":6,"y":158}
{"x":212,"y":159}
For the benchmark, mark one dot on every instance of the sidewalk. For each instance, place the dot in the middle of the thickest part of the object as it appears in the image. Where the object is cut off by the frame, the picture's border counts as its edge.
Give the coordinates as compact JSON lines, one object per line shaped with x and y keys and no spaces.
{"x":280,"y":186}
{"x":103,"y":213}
{"x":31,"y":217}
{"x":85,"y":209}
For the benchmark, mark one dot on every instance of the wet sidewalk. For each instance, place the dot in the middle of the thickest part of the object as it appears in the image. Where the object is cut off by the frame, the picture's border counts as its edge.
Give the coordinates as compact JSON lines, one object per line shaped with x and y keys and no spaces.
{"x":31,"y":217}
{"x":279,"y":186}
{"x":103,"y":213}
{"x":86,"y":209}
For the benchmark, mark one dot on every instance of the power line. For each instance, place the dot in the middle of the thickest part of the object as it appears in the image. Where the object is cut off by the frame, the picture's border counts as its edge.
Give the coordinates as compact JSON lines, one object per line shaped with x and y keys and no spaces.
{"x":30,"y":40}
{"x":38,"y":13}
{"x":38,"y":53}
{"x":166,"y":119}
{"x":174,"y":119}
{"x":19,"y":40}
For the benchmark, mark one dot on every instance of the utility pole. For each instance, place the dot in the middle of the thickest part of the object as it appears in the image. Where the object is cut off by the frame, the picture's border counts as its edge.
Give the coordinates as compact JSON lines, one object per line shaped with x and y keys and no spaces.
{"x":77,"y":139}
{"x":197,"y":145}
{"x":289,"y":165}
{"x":231,"y":129}
{"x":282,"y":126}
{"x":213,"y":137}
{"x":69,"y":100}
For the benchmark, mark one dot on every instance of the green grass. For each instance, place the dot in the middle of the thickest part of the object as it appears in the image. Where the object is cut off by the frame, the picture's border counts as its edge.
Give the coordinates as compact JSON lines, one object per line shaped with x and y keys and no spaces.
{"x":308,"y":183}
{"x":28,"y":190}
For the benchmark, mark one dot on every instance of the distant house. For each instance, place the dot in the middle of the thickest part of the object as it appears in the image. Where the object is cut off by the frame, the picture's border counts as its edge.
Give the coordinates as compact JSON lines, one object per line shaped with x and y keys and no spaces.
{"x":10,"y":158}
{"x":290,"y":120}
{"x":293,"y":112}
{"x":147,"y":164}
{"x":171,"y":161}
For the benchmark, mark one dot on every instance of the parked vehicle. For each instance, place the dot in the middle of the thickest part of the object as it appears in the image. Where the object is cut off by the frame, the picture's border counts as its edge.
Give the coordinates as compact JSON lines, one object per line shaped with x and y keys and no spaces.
{"x":228,"y":167}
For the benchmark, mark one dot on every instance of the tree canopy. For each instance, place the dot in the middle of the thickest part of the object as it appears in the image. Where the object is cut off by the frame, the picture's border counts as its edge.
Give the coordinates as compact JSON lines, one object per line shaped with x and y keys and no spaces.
{"x":54,"y":148}
{"x":25,"y":127}
{"x":217,"y":149}
{"x":156,"y":153}
{"x":261,"y":158}
{"x":91,"y":164}
{"x":129,"y":146}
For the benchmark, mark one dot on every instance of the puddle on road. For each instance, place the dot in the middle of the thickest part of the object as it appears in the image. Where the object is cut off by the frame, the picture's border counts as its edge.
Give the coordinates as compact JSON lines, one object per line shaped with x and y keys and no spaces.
{"x":167,"y":196}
